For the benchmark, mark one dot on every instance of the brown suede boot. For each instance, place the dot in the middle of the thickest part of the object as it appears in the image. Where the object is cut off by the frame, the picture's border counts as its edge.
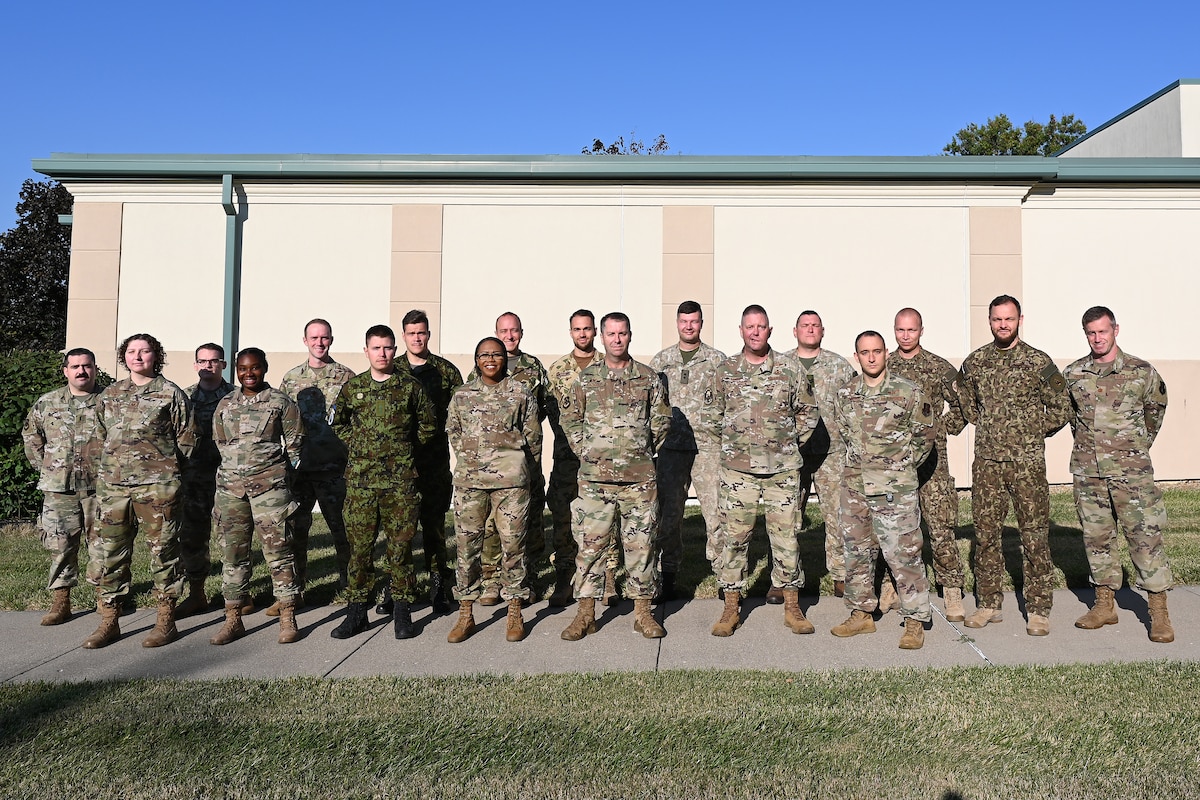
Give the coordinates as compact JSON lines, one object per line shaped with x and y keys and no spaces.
{"x":564,"y":590}
{"x":514,"y":626}
{"x":109,"y":630}
{"x":729,"y":621}
{"x":584,"y":622}
{"x":60,"y":608}
{"x":196,"y":601}
{"x":888,"y":599}
{"x":914,"y":635}
{"x":465,"y":625}
{"x":1103,"y":611}
{"x":164,"y":631}
{"x":858,"y":622}
{"x":793,"y":615}
{"x":644,"y":621}
{"x":611,"y":595}
{"x":233,"y":628}
{"x":1160,"y":622}
{"x":491,"y":587}
{"x":288,"y":632}
{"x":952,"y":598}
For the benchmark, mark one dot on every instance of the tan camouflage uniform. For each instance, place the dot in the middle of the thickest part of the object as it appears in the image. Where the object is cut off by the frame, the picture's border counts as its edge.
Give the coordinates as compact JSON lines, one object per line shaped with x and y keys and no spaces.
{"x":198,"y":484}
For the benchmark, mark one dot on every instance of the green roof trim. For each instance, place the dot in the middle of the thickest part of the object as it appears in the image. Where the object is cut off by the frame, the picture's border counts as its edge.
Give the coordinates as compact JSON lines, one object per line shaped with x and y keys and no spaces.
{"x":1127,"y":112}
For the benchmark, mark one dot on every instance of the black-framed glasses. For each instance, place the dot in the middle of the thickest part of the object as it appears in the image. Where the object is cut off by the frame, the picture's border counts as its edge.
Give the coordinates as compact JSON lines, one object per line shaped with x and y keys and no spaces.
{"x":490,"y":356}
{"x":209,"y":362}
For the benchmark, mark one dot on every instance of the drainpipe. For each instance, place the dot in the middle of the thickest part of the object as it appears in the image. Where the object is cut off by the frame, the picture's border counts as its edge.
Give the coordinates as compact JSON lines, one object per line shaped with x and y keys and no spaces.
{"x":233,"y":281}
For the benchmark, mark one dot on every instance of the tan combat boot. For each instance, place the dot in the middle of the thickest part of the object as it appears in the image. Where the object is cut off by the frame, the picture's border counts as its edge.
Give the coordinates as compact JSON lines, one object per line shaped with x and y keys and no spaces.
{"x":793,"y":615}
{"x":983,"y":616}
{"x":514,"y":625}
{"x":109,"y":630}
{"x":1037,"y":625}
{"x":275,"y":608}
{"x":611,"y":595}
{"x":465,"y":625}
{"x":233,"y":628}
{"x":914,"y":635}
{"x":954,"y":607}
{"x":164,"y":631}
{"x":491,"y":587}
{"x":730,"y":621}
{"x":888,"y":599}
{"x":644,"y":621}
{"x":60,"y":608}
{"x":1160,"y":622}
{"x":288,"y":632}
{"x":195,"y":603}
{"x":584,"y":622}
{"x":858,"y":622}
{"x":1103,"y":611}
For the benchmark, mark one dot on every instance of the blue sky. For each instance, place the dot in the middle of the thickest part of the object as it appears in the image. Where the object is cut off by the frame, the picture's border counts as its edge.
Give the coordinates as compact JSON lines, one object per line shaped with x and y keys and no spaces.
{"x":717,"y":78}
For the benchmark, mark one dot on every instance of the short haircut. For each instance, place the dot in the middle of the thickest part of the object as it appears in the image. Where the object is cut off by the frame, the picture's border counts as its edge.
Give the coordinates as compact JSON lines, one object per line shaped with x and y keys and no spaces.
{"x":210,"y":346}
{"x":520,"y":327}
{"x":380,"y":332}
{"x":914,"y":312}
{"x":160,"y":355}
{"x":1001,"y":300}
{"x":754,"y":308}
{"x":1098,"y":312}
{"x":415,"y":317}
{"x":615,"y":316}
{"x":582,"y":312}
{"x":867,"y":335}
{"x":78,"y":351}
{"x":689,"y":307}
{"x":314,"y":321}
{"x":808,"y":312}
{"x":257,"y":353}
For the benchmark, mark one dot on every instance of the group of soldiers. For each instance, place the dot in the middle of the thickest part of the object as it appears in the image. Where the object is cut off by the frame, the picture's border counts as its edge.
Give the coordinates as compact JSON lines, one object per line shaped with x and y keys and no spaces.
{"x":748,"y":433}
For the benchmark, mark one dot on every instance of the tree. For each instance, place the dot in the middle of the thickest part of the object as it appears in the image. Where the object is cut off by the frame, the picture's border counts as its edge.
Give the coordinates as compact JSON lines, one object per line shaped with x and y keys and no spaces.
{"x":636,"y":147}
{"x":998,"y":137}
{"x":35,"y":259}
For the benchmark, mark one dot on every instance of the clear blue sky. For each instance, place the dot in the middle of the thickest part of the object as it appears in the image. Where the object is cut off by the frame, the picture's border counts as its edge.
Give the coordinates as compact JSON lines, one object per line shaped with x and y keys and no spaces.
{"x":766,"y":78}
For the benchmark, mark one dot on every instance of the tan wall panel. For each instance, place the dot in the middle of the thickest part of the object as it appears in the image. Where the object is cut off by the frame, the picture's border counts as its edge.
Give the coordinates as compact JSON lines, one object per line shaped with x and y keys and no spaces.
{"x":992,"y":276}
{"x":417,"y":228}
{"x":96,"y":226}
{"x":687,"y":229}
{"x":417,"y":278}
{"x":995,"y":230}
{"x":95,"y":274}
{"x":687,"y":277}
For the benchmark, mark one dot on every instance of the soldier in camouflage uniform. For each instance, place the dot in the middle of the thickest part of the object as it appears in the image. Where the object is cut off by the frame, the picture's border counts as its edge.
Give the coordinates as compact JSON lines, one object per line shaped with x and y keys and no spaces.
{"x":147,"y":434}
{"x":691,"y":455}
{"x":939,"y":502}
{"x":314,"y":387}
{"x":63,"y":443}
{"x":493,"y":426}
{"x":1015,"y":397}
{"x":768,"y":412}
{"x":382,"y":415}
{"x":259,"y":434}
{"x":199,"y":481}
{"x":1119,"y":402}
{"x":887,"y":425}
{"x":616,"y":422}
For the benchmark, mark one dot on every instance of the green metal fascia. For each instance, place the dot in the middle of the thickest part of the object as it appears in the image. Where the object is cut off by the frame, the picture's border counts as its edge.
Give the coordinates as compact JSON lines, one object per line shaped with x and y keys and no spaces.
{"x":1129,"y":170}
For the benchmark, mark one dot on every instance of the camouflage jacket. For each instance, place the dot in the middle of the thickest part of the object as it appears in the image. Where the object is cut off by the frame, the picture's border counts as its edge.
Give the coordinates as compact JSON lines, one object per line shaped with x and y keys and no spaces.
{"x":316,"y":392}
{"x":1015,"y":398}
{"x":828,"y":374}
{"x":260,"y":438}
{"x":204,"y":404}
{"x":439,"y":378}
{"x":561,"y":378}
{"x":693,"y":388}
{"x":617,"y":421}
{"x":147,"y":432}
{"x":1119,"y":409}
{"x":768,"y":412}
{"x":382,"y":422}
{"x":888,"y":431}
{"x":495,"y":433}
{"x":63,"y":441}
{"x":526,"y":369}
{"x":937,"y":380}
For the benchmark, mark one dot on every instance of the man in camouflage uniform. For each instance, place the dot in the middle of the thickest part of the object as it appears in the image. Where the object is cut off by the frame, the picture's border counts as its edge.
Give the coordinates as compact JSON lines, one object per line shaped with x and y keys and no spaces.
{"x":199,"y":483}
{"x":691,"y":455}
{"x":768,"y":412}
{"x":147,"y":434}
{"x":939,"y":502}
{"x":616,"y":422}
{"x":1015,"y":397}
{"x":887,"y":426}
{"x":383,"y":415}
{"x":63,"y":443}
{"x":493,"y":425}
{"x":1119,"y":402}
{"x":822,"y":454}
{"x":314,"y":387}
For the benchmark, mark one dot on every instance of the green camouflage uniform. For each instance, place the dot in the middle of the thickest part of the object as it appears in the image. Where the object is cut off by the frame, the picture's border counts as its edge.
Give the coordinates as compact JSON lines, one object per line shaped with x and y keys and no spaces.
{"x":320,"y":478}
{"x":617,"y":420}
{"x":260,"y":438}
{"x":888,"y":430}
{"x":768,"y":412}
{"x":495,"y":432}
{"x":691,"y":455}
{"x":382,"y":423}
{"x":1119,"y":409}
{"x":1015,"y":398}
{"x":939,"y":501}
{"x":63,"y":443}
{"x":147,"y":433}
{"x":198,"y":485}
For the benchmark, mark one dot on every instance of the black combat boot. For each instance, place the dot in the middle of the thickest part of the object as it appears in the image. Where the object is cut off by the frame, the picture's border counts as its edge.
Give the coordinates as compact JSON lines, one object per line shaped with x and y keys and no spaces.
{"x":385,"y":604}
{"x":437,"y":594}
{"x":354,"y":623}
{"x":402,"y":621}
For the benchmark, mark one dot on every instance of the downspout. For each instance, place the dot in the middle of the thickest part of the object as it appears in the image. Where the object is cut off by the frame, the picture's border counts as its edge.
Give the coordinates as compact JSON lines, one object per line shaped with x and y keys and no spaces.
{"x":233,"y":282}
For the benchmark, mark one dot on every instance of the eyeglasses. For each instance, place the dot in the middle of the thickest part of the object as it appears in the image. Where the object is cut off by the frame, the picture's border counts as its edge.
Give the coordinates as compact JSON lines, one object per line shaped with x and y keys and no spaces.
{"x":490,"y":356}
{"x":209,"y":362}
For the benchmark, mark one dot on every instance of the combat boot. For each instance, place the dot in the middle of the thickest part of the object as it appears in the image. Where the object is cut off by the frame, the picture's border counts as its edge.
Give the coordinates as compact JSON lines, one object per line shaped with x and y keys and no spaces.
{"x":793,"y":615}
{"x":952,"y":598}
{"x":437,"y":594}
{"x":109,"y":630}
{"x":60,"y":608}
{"x":775,"y":595}
{"x":274,"y":610}
{"x":164,"y":631}
{"x":564,"y":591}
{"x":983,"y":616}
{"x":196,"y":601}
{"x":514,"y":626}
{"x":288,"y":632}
{"x":839,"y":588}
{"x":491,"y":587}
{"x":1103,"y":611}
{"x":666,"y":591}
{"x":465,"y":625}
{"x":385,"y":603}
{"x":858,"y":622}
{"x":584,"y":622}
{"x":1038,"y":625}
{"x":354,"y":623}
{"x":644,"y":621}
{"x":914,"y":635}
{"x":402,"y":624}
{"x":233,"y":629}
{"x":888,"y":599}
{"x":611,"y":595}
{"x":1160,"y":622}
{"x":730,"y":621}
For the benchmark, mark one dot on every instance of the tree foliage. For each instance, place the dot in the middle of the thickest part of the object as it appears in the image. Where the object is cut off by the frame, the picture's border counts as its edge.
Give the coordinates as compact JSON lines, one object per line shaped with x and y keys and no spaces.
{"x":635,"y":147}
{"x":35,"y":257}
{"x":998,"y":137}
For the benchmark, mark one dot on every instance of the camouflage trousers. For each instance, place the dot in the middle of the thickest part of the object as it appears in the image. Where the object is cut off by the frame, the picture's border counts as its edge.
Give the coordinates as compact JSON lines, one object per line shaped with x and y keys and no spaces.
{"x":563,"y":489}
{"x":535,"y":536}
{"x":741,"y":493}
{"x":993,"y":484}
{"x":677,"y":471}
{"x":392,"y":512}
{"x":1136,"y":504}
{"x":197,"y":490}
{"x":69,"y":518}
{"x":939,"y":512}
{"x":890,"y":524}
{"x":510,"y":510}
{"x":435,"y":487}
{"x":328,"y":489}
{"x":603,"y":511}
{"x":824,"y":470}
{"x":237,"y":519}
{"x":152,"y":509}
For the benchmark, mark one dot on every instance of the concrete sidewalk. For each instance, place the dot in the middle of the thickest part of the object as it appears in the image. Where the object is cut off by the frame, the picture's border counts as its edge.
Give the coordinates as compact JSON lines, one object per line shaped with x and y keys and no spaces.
{"x":34,"y":653}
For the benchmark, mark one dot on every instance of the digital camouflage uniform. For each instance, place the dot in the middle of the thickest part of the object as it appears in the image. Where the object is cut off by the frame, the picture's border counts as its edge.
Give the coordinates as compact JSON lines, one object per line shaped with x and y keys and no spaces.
{"x":888,"y":430}
{"x":381,"y":424}
{"x":616,"y":422}
{"x":63,"y":442}
{"x":320,"y":478}
{"x":198,"y":486}
{"x":1015,"y":398}
{"x":147,"y":432}
{"x":691,"y":454}
{"x":768,"y":411}
{"x":494,"y":431}
{"x":939,"y":501}
{"x":1118,"y":411}
{"x":260,"y":438}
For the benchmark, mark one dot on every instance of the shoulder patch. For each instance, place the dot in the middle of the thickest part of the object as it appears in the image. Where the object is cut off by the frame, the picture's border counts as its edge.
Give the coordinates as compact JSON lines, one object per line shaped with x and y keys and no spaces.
{"x":1053,"y":377}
